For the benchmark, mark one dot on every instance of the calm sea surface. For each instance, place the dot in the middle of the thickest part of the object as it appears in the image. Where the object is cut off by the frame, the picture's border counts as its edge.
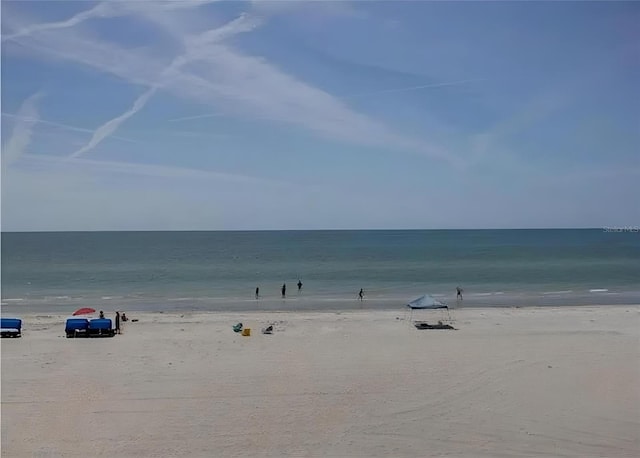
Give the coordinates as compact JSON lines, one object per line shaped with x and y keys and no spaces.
{"x":220,"y":270}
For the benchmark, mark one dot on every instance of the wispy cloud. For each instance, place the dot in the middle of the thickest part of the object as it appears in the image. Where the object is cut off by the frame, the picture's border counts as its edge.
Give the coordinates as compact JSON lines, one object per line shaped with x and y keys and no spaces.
{"x":26,"y":119}
{"x":195,"y":134}
{"x":110,"y":126}
{"x":102,"y":10}
{"x":201,"y":116}
{"x":232,"y":81}
{"x":413,"y":88}
{"x":196,"y":48}
{"x":62,"y":126}
{"x":153,"y":170}
{"x":365,"y":94}
{"x":106,"y":9}
{"x":545,"y":103}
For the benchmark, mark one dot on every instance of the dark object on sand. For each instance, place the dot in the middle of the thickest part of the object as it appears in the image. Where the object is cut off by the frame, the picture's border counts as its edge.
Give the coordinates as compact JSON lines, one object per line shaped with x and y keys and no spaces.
{"x":425,"y":325}
{"x":237,"y":327}
{"x":268,"y":330}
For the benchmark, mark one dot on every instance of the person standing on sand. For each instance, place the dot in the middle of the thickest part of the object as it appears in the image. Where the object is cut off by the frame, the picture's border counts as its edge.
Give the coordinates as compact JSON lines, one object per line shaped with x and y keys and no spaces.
{"x":458,"y":293}
{"x":299,"y":285}
{"x":117,"y":322}
{"x":257,"y":292}
{"x":284,"y":290}
{"x":361,"y":294}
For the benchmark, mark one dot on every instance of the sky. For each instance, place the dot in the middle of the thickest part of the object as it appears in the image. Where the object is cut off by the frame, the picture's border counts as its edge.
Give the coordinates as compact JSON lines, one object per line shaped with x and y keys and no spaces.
{"x":261,"y":115}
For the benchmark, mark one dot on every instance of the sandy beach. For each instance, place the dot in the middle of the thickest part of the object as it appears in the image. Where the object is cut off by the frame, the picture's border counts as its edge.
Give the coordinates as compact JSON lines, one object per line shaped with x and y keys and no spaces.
{"x":509,"y":382}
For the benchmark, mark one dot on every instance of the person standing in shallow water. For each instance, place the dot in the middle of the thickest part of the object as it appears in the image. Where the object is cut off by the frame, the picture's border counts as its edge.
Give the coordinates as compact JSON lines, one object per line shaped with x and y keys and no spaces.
{"x":284,"y":290}
{"x":361,"y":294}
{"x":257,"y":292}
{"x":299,"y":285}
{"x":458,"y":293}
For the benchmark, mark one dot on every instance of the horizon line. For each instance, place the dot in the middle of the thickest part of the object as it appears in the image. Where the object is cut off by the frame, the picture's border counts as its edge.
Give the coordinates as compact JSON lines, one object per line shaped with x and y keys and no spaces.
{"x":36,"y":231}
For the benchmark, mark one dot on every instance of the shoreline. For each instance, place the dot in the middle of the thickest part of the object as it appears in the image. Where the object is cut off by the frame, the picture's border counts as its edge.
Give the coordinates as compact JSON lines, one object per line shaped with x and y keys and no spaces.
{"x":361,"y":310}
{"x":296,"y":303}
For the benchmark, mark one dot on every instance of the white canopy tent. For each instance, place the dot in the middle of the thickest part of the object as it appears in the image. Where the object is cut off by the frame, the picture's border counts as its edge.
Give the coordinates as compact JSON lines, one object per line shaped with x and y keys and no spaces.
{"x":428,"y":302}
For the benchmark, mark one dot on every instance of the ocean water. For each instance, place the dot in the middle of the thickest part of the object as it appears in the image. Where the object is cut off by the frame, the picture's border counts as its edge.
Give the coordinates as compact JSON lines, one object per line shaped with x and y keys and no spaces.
{"x":57,"y":272}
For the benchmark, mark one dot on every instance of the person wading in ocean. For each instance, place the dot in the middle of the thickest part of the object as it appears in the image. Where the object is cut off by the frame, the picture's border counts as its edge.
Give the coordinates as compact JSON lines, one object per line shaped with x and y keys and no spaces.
{"x":284,"y":290}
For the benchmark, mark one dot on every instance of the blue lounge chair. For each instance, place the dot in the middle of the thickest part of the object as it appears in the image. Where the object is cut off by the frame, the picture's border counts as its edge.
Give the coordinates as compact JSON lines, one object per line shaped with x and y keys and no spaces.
{"x":101,"y":327}
{"x":11,"y":327}
{"x":77,"y":327}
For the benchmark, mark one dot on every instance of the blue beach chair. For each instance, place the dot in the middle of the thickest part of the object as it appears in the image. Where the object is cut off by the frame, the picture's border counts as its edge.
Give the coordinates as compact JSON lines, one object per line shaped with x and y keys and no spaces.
{"x":101,"y":327}
{"x":11,"y":327}
{"x":77,"y":327}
